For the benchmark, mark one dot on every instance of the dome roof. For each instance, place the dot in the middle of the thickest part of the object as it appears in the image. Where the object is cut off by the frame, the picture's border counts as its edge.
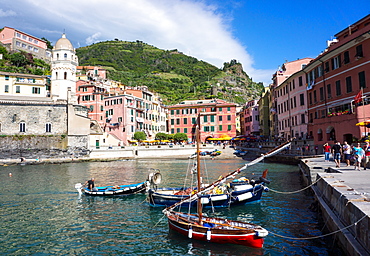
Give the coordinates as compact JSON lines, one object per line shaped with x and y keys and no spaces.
{"x":63,"y":44}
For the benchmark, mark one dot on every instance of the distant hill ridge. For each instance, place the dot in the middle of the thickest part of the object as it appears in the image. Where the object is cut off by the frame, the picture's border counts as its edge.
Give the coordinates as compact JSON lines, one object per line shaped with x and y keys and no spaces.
{"x":172,"y":74}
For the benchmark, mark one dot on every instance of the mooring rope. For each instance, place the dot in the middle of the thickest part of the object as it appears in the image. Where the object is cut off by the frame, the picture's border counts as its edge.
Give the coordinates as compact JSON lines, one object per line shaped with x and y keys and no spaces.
{"x":315,"y":237}
{"x":293,"y":192}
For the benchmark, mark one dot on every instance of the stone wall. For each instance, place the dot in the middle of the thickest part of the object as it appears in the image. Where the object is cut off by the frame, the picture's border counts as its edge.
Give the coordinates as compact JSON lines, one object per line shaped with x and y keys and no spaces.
{"x":42,"y":147}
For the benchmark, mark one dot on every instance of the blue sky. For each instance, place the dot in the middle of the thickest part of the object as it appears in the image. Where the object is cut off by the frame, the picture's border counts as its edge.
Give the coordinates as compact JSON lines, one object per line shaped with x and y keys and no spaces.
{"x":261,"y":35}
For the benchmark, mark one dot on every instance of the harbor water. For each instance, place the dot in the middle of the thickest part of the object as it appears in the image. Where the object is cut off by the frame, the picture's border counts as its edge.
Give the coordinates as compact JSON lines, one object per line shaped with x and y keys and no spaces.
{"x":42,"y":213}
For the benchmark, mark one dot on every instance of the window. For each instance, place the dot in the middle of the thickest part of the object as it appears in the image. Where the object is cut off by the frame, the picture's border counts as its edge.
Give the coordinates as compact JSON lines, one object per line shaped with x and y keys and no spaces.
{"x":36,"y":90}
{"x":359,"y":52}
{"x":228,"y":108}
{"x":220,"y":118}
{"x":337,"y":87}
{"x":361,"y":79}
{"x":335,"y":62}
{"x":48,"y":127}
{"x":185,"y":121}
{"x":178,"y":130}
{"x":229,"y":127}
{"x":301,"y":99}
{"x":65,"y":56}
{"x":212,"y":119}
{"x":346,"y":57}
{"x":17,"y":89}
{"x":220,"y":127}
{"x":6,"y":88}
{"x":314,"y":96}
{"x":193,"y":120}
{"x":178,"y":121}
{"x":328,"y":89}
{"x":22,"y":127}
{"x":206,"y":128}
{"x":228,"y":117}
{"x":205,"y":119}
{"x":172,"y":121}
{"x":349,"y":84}
{"x":6,"y":78}
{"x":327,"y":69}
{"x":321,"y":93}
{"x":65,"y":75}
{"x":185,"y":130}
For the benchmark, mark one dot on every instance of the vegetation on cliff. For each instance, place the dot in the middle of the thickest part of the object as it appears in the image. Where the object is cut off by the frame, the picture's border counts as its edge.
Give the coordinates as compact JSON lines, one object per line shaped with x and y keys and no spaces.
{"x":172,"y":74}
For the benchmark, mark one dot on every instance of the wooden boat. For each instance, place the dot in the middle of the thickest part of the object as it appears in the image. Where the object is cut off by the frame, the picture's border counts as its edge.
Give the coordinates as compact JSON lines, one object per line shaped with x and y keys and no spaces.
{"x":115,"y":190}
{"x":237,"y":192}
{"x":218,"y":230}
{"x":153,"y":178}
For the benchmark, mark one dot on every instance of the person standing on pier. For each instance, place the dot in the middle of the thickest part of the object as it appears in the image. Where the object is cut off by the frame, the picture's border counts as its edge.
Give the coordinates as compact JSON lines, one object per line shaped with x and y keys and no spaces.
{"x":367,"y":153}
{"x":327,"y":151}
{"x":347,"y":153}
{"x":358,"y":153}
{"x":337,"y":152}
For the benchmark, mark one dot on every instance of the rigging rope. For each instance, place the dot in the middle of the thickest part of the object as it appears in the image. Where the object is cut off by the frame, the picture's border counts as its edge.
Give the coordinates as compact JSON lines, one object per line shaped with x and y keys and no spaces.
{"x":293,"y":192}
{"x":315,"y":237}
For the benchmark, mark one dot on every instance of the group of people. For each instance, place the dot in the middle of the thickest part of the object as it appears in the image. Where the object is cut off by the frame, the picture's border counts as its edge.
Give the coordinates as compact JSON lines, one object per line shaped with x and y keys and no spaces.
{"x":354,"y":153}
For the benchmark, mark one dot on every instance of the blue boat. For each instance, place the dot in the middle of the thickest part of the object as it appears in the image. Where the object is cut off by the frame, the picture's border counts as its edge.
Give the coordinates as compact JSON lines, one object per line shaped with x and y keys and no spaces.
{"x":239,"y":191}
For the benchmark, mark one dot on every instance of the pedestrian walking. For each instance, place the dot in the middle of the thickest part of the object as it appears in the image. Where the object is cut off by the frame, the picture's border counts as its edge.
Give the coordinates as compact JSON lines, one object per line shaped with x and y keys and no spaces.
{"x":359,"y":154}
{"x":327,"y":150}
{"x":337,"y":152}
{"x":347,"y":153}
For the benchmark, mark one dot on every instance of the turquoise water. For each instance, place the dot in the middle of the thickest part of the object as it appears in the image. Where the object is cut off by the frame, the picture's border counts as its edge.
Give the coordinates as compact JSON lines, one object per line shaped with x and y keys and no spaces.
{"x":42,"y":213}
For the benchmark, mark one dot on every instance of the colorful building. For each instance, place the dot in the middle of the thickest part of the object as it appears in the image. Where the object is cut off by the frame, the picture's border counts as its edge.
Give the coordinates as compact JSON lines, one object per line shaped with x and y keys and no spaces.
{"x":334,"y":79}
{"x":250,"y":119}
{"x":217,"y":118}
{"x":16,"y":40}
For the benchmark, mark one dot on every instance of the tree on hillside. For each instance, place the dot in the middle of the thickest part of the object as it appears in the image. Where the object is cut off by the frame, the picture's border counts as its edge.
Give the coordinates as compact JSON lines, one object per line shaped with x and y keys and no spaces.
{"x":18,"y":59}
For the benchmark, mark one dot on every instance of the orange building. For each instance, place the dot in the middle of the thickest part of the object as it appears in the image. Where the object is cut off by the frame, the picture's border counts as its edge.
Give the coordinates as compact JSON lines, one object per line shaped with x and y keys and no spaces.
{"x":217,"y":118}
{"x":334,"y":79}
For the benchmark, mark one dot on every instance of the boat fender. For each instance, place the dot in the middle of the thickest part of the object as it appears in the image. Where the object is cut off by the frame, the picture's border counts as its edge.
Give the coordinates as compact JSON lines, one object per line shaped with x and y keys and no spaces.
{"x":262,"y":233}
{"x":266,"y":189}
{"x":208,"y":235}
{"x":244,"y":196}
{"x":190,"y":234}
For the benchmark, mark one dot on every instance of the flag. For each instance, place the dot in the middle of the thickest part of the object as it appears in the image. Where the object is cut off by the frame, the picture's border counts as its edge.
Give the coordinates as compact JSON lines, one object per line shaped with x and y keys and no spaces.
{"x":358,"y":97}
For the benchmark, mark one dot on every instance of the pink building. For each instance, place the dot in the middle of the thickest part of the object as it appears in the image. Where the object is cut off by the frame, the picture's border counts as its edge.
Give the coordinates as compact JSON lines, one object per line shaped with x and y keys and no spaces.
{"x":288,"y":116}
{"x":16,"y":40}
{"x":217,"y":120}
{"x":249,"y":119}
{"x":134,"y":110}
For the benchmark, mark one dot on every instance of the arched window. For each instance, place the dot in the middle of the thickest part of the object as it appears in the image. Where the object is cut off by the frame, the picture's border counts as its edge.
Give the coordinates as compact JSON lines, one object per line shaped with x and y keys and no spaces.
{"x":65,"y":56}
{"x":48,"y":127}
{"x":56,"y":75}
{"x":65,"y":75}
{"x":22,"y":127}
{"x":57,"y":56}
{"x":319,"y":135}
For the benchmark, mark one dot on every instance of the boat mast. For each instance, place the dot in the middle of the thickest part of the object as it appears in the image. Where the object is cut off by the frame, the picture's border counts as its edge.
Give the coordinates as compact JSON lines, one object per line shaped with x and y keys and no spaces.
{"x":199,"y":203}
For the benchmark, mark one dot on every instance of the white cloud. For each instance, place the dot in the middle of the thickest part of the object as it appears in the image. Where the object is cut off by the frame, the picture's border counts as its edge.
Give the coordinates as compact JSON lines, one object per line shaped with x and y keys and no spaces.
{"x":191,"y":26}
{"x":6,"y":13}
{"x":93,"y":38}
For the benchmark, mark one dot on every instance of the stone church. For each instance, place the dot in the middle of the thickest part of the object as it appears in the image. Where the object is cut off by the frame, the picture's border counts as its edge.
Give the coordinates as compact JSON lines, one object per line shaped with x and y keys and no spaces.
{"x":42,"y":120}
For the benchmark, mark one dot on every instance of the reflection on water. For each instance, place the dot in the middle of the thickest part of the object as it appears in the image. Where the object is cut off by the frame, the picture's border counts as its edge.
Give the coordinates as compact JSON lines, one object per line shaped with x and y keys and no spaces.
{"x":42,"y":213}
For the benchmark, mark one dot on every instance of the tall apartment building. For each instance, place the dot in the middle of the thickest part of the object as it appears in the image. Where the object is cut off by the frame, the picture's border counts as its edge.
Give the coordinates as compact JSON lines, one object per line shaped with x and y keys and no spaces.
{"x":134,"y":110}
{"x":217,"y":118}
{"x":334,"y":79}
{"x":280,"y":95}
{"x":16,"y":40}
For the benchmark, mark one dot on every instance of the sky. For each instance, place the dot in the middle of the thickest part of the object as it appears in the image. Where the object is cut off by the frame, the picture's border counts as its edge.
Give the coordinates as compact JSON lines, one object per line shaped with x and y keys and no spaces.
{"x":261,"y":35}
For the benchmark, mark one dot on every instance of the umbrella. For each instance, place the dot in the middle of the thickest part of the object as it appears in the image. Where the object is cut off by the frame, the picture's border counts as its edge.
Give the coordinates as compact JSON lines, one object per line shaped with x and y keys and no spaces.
{"x":365,"y":123}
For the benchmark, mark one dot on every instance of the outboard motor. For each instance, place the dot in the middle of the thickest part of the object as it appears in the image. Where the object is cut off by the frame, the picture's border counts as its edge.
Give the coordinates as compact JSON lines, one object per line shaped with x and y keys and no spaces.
{"x":79,"y":186}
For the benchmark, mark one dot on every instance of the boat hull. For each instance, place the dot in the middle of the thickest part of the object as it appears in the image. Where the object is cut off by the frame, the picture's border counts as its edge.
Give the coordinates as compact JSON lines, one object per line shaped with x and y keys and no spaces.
{"x":242,"y":236}
{"x":122,"y":190}
{"x":166,"y":197}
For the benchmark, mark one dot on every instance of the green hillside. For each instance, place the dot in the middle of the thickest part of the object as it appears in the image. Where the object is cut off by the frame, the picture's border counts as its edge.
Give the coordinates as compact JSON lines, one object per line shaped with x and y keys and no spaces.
{"x":170,"y":73}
